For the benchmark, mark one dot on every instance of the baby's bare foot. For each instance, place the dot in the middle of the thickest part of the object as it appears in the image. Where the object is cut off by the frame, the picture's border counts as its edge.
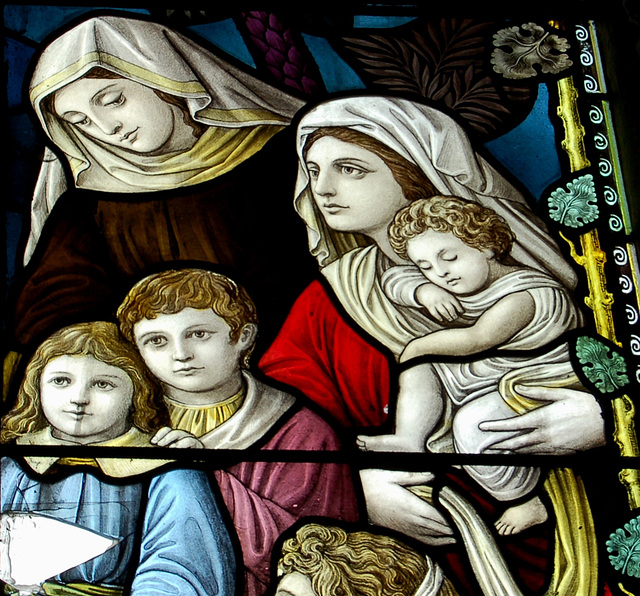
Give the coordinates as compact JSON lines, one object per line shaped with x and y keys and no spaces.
{"x":520,"y":517}
{"x":394,"y":443}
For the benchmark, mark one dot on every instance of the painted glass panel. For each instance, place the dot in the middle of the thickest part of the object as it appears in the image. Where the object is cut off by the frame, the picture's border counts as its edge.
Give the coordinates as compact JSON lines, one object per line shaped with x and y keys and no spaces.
{"x":312,"y":302}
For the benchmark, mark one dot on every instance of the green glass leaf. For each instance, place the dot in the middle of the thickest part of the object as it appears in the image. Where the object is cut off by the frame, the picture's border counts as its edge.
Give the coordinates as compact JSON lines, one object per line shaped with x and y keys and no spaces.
{"x":578,"y":206}
{"x":624,"y":548}
{"x":605,"y":368}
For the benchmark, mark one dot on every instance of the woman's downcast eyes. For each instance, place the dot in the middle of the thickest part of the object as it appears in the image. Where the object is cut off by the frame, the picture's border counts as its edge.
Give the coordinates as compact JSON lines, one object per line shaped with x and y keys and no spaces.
{"x":79,"y":121}
{"x":113,"y":99}
{"x":110,"y":100}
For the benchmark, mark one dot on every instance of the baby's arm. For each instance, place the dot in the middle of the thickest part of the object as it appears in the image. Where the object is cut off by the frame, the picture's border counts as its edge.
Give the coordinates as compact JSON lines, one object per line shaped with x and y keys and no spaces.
{"x":407,"y":286}
{"x":496,"y":326}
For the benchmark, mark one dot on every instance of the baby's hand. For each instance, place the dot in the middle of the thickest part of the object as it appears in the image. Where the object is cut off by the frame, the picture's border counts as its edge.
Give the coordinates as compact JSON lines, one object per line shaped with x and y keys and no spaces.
{"x":168,"y":437}
{"x":440,"y":304}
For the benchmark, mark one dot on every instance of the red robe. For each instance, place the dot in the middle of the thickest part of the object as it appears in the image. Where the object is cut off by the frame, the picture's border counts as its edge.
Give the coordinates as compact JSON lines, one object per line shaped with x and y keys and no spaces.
{"x":344,"y":371}
{"x":334,"y":365}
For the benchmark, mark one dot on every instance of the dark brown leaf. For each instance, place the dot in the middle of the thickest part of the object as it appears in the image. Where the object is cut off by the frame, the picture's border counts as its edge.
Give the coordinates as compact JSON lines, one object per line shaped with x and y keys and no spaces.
{"x":395,"y":81}
{"x":440,"y":91}
{"x":445,"y":61}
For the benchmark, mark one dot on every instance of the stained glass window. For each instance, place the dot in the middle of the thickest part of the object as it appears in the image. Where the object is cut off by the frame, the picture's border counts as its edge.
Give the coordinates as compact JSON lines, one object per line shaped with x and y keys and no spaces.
{"x":315,"y":301}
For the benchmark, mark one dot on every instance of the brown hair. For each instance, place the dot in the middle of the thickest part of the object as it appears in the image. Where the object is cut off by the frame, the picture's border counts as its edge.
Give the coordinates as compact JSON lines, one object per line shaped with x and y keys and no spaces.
{"x":169,"y":292}
{"x":354,"y":563}
{"x":102,"y":73}
{"x":477,"y":226}
{"x":102,"y":341}
{"x":414,"y":183}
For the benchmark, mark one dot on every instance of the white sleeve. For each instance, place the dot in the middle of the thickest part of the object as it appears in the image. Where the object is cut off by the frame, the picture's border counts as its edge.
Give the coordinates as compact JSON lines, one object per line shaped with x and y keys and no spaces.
{"x":400,"y":283}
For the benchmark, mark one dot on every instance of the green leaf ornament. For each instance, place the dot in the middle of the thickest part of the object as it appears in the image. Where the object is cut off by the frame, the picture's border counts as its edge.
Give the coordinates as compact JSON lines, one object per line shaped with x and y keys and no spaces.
{"x":606,"y":369}
{"x":624,"y":548}
{"x":577,"y":206}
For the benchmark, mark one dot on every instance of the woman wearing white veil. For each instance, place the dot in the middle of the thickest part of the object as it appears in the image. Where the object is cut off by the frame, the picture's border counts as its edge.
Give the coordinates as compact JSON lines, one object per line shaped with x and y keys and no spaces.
{"x":124,"y":209}
{"x":352,"y":262}
{"x":348,"y":373}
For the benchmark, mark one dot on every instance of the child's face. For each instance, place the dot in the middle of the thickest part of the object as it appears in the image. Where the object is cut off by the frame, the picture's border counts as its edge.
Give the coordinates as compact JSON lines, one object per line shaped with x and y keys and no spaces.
{"x":448,"y":262}
{"x":85,"y":400}
{"x":295,"y":584}
{"x":191,"y":351}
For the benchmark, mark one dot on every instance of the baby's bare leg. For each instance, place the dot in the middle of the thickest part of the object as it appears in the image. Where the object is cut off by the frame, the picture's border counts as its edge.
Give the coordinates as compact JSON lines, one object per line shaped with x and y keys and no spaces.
{"x":505,"y":483}
{"x":418,"y":411}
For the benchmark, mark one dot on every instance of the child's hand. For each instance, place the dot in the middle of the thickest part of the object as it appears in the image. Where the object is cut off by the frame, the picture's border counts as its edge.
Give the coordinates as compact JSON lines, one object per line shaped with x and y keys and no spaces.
{"x":440,"y":304}
{"x":168,"y":437}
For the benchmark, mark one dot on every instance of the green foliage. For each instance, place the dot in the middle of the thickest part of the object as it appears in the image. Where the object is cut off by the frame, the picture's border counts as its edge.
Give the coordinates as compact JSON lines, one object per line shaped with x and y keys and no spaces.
{"x":576,"y":207}
{"x":606,"y":369}
{"x":625,"y":548}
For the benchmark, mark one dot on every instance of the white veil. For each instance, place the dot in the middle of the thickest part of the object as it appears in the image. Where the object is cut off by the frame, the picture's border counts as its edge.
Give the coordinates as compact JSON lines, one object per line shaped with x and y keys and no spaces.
{"x":440,"y":147}
{"x":216,"y":94}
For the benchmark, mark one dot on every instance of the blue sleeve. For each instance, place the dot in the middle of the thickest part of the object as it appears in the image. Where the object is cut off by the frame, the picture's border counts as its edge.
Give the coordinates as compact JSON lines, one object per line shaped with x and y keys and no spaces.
{"x":185,"y":547}
{"x":10,"y":478}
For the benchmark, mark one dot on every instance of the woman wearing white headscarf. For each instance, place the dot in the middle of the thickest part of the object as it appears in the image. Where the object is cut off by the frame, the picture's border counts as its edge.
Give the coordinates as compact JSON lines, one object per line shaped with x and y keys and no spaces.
{"x":423,"y":147}
{"x":164,"y":142}
{"x":441,"y":149}
{"x":347,"y":372}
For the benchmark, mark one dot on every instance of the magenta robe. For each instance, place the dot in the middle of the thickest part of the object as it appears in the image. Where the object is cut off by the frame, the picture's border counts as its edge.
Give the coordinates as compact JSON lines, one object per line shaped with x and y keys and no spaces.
{"x":264,"y":498}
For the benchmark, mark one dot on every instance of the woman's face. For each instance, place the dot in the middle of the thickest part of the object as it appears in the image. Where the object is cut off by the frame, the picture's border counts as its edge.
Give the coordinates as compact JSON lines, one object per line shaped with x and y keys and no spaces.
{"x":119,"y":112}
{"x":353,"y":187}
{"x":85,"y":400}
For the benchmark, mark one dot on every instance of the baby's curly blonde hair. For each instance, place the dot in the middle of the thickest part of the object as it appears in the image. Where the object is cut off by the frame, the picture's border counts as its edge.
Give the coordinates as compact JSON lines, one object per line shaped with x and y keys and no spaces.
{"x":477,"y":226}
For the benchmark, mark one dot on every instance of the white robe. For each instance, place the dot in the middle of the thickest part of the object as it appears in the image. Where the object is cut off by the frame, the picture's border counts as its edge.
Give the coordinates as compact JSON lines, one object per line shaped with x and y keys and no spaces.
{"x":472,"y":388}
{"x":261,"y":409}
